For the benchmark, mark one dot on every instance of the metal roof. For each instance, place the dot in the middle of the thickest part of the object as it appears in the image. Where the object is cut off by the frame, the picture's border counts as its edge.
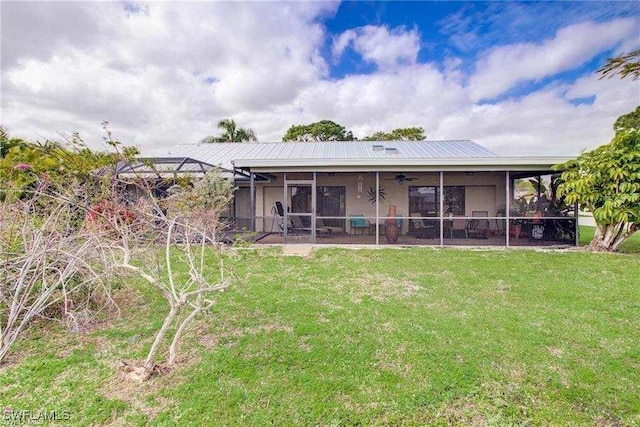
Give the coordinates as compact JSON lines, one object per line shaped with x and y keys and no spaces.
{"x":168,"y":167}
{"x":349,"y":154}
{"x":161,"y":166}
{"x":222,"y":154}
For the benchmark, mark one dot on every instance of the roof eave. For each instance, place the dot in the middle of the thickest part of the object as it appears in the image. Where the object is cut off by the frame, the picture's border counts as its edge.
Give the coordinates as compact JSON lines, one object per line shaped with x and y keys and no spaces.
{"x":477,"y":163}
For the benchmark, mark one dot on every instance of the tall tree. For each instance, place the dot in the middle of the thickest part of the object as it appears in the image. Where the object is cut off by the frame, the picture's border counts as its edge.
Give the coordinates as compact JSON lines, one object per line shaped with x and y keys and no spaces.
{"x":400,"y":134}
{"x":606,"y":181}
{"x":232,"y":133}
{"x":627,"y":64}
{"x":324,"y":130}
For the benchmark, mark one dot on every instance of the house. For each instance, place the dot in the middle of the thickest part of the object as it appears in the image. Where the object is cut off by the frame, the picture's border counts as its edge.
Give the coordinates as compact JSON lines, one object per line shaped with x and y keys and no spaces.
{"x":442,"y":192}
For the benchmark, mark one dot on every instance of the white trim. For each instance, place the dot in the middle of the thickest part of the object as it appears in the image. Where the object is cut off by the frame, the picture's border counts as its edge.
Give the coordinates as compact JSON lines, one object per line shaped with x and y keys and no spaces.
{"x":507,"y":208}
{"x":377,"y":208}
{"x":407,"y":165}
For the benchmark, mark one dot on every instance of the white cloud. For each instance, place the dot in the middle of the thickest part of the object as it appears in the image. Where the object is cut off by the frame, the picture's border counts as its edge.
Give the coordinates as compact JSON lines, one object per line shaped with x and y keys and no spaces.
{"x":379,"y":45}
{"x":505,"y":66}
{"x":38,"y":30}
{"x":554,"y":126}
{"x":159,"y":77}
{"x":412,"y":96}
{"x":167,"y":76}
{"x":341,"y":42}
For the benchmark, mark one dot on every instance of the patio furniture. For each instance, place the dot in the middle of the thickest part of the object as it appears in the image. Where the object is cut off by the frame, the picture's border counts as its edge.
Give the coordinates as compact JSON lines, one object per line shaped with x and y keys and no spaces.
{"x":357,"y":222}
{"x":478,"y":228}
{"x":537,"y":227}
{"x":459,"y":224}
{"x":277,"y":217}
{"x":296,"y":225}
{"x":424,"y":231}
{"x":331,"y":229}
{"x":296,"y":221}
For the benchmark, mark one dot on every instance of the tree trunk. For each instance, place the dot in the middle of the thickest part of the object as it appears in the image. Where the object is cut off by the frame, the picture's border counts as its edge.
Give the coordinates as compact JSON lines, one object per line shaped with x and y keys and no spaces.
{"x":608,"y":238}
{"x":598,"y":245}
{"x":5,"y":344}
{"x":173,"y":349}
{"x":148,"y":363}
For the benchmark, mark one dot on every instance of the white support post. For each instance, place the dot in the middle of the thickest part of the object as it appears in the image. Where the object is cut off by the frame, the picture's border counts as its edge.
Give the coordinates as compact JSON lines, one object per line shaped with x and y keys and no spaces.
{"x":252,"y":192}
{"x":377,"y":209}
{"x":507,"y":207}
{"x":285,"y":204}
{"x":314,"y":202}
{"x":441,"y":208}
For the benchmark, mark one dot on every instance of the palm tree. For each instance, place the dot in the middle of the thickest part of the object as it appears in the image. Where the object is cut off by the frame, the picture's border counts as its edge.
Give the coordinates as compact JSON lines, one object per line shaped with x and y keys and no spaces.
{"x":232,"y":133}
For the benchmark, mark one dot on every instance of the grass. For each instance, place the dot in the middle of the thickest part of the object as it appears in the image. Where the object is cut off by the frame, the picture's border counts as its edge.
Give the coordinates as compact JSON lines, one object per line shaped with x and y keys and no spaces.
{"x":390,"y":336}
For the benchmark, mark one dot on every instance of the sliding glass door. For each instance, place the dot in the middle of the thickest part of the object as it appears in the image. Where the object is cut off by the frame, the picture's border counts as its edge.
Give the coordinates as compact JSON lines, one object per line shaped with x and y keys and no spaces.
{"x":300,"y":211}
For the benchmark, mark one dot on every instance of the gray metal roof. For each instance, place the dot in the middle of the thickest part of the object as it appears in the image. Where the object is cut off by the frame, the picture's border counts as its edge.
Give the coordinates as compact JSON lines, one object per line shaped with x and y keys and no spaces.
{"x":246,"y":154}
{"x":268,"y":157}
{"x":171,"y":167}
{"x":161,"y":166}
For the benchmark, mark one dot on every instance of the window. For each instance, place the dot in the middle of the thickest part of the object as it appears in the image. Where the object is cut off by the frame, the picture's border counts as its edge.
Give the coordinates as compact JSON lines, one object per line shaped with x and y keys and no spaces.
{"x":454,"y":201}
{"x":425,"y":200}
{"x":331,"y":202}
{"x":300,"y":199}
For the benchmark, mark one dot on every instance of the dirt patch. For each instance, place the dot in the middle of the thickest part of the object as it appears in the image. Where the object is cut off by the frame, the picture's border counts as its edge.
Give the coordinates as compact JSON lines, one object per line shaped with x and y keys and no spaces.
{"x":209,"y":340}
{"x":378,"y":287}
{"x":395,"y":367}
{"x":13,"y":360}
{"x":297,"y":250}
{"x":305,"y":346}
{"x":462,"y":412}
{"x":254,"y":330}
{"x":557,"y":352}
{"x":119,"y":386}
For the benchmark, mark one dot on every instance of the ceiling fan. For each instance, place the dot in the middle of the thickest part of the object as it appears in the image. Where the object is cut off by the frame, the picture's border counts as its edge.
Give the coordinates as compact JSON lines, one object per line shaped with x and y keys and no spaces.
{"x":401,"y":178}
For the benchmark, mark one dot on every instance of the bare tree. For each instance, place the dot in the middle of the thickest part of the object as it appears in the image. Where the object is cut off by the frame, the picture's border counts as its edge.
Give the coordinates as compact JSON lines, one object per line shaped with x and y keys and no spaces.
{"x":63,"y":246}
{"x":178,"y":264}
{"x":187,"y":297}
{"x":48,"y":264}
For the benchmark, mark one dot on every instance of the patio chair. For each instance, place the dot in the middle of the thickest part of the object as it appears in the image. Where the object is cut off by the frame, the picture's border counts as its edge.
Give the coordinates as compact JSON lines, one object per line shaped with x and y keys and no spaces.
{"x":298,"y":226}
{"x":330,"y":229}
{"x":478,"y":228}
{"x":459,"y":224}
{"x":424,"y":230}
{"x":357,"y":222}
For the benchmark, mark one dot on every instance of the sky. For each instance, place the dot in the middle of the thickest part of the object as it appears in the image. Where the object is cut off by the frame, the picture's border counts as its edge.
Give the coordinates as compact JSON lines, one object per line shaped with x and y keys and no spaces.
{"x":517,"y":77}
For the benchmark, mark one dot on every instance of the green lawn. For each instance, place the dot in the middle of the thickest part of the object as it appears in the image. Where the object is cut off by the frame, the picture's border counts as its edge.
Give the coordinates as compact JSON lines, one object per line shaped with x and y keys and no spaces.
{"x":391,"y":336}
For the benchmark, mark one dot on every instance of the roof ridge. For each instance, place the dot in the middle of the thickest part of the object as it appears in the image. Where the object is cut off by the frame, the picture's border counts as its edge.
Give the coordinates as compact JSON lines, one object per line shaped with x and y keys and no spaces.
{"x":326,"y":142}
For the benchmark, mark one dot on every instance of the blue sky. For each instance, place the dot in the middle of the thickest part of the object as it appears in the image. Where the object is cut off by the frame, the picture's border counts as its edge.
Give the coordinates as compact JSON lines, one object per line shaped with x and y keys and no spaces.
{"x":466,"y":29}
{"x":517,"y":77}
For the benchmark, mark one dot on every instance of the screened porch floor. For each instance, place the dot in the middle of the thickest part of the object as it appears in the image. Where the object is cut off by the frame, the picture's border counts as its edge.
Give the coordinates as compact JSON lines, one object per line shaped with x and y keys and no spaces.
{"x":406,"y":240}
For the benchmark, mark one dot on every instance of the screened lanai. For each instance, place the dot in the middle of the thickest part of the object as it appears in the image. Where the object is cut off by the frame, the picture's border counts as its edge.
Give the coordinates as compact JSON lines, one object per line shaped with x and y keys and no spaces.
{"x":436,"y":193}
